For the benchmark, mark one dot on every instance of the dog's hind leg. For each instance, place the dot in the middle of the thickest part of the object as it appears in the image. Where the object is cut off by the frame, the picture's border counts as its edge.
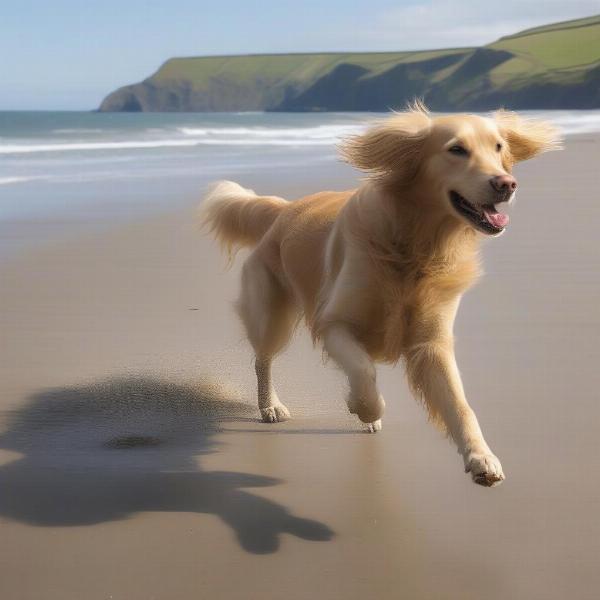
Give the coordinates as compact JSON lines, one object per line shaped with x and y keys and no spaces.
{"x":270,"y":315}
{"x":364,"y":398}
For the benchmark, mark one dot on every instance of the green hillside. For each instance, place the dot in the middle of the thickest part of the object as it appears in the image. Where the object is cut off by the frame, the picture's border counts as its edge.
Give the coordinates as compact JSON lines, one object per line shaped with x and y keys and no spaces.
{"x":554,"y":66}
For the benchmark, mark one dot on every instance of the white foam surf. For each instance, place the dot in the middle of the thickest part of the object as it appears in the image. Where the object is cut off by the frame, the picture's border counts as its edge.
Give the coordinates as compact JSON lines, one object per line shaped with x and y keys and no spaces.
{"x":571,"y":122}
{"x":186,"y":135}
{"x":77,"y":130}
{"x":76,"y":146}
{"x":320,"y":132}
{"x":12,"y":180}
{"x":260,"y":140}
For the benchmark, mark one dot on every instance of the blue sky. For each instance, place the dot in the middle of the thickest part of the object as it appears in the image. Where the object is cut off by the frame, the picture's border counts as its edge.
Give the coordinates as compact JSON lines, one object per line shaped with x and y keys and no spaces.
{"x":68,"y":54}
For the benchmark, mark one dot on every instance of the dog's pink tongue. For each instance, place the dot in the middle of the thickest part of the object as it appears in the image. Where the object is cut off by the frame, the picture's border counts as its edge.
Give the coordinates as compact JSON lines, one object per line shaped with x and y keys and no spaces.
{"x":497,"y":219}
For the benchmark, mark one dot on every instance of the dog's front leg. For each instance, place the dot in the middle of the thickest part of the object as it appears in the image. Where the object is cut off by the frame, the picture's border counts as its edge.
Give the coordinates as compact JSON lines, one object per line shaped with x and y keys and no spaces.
{"x":433,"y":373}
{"x":364,"y":398}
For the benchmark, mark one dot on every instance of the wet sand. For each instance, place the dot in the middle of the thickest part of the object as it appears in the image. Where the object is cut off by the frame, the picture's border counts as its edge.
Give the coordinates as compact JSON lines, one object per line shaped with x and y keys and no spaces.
{"x":133,"y":466}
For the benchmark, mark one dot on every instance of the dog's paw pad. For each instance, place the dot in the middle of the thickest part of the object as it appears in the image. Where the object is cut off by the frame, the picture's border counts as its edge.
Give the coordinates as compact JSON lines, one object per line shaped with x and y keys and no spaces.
{"x":275,"y":414}
{"x":485,"y":469}
{"x":374,"y":427}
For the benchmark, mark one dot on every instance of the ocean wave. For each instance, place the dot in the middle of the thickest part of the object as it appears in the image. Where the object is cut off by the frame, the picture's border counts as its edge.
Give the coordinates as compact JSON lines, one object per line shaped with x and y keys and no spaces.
{"x":188,"y":135}
{"x":11,"y":180}
{"x":571,"y":122}
{"x":67,"y":147}
{"x":166,"y":143}
{"x":74,"y":130}
{"x":320,"y":135}
{"x":574,"y":124}
{"x":320,"y":132}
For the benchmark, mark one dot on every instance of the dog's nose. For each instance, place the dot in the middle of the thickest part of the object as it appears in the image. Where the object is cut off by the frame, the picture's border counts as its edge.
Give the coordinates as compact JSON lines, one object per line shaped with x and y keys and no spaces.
{"x":504,"y":184}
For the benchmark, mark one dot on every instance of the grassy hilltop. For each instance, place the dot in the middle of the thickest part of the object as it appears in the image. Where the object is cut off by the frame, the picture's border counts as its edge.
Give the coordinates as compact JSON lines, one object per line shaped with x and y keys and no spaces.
{"x":555,"y":66}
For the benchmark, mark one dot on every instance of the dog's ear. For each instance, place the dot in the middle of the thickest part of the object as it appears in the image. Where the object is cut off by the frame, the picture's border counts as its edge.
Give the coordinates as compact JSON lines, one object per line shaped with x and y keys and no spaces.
{"x":526,"y":138}
{"x":392,"y":146}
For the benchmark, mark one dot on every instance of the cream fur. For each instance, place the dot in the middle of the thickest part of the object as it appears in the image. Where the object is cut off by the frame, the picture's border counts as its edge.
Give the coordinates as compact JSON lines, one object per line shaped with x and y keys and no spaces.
{"x":377,"y":272}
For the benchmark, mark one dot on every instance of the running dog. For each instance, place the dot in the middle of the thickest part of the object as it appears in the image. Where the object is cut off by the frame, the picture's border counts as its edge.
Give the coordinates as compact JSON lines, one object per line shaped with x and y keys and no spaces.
{"x":378,"y":272}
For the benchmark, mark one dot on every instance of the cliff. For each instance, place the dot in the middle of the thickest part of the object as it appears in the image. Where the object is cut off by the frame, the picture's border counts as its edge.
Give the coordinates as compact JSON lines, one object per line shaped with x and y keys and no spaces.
{"x":555,"y":66}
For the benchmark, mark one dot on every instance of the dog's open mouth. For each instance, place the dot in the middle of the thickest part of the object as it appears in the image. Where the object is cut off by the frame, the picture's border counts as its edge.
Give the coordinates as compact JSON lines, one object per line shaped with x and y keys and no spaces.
{"x":486,"y":218}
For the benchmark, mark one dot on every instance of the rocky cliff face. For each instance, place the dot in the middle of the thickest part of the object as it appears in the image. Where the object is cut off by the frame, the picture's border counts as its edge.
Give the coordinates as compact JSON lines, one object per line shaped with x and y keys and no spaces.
{"x":557,"y":66}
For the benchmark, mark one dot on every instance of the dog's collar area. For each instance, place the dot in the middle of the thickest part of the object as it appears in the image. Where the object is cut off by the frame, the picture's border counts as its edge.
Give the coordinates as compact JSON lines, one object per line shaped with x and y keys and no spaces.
{"x":486,"y":219}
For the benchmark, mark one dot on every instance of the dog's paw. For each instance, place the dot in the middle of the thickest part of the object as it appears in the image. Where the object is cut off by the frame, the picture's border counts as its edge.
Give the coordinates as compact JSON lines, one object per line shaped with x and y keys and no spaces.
{"x":374,"y":427}
{"x":368,"y":411}
{"x":485,"y":469}
{"x":275,"y":414}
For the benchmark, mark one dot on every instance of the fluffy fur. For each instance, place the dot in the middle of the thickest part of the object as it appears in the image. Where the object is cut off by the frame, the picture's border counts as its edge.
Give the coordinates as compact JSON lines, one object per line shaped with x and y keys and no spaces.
{"x":377,"y":272}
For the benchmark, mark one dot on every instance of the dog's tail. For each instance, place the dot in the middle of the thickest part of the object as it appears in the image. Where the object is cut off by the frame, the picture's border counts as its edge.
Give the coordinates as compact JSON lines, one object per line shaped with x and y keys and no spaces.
{"x":236,"y":216}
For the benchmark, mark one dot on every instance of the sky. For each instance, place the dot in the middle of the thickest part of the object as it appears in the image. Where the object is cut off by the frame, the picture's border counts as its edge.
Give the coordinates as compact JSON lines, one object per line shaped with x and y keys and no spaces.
{"x":69,"y":54}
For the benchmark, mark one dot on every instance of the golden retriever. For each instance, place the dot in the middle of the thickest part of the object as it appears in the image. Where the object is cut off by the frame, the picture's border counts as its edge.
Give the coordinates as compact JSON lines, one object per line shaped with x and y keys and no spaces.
{"x":378,"y":272}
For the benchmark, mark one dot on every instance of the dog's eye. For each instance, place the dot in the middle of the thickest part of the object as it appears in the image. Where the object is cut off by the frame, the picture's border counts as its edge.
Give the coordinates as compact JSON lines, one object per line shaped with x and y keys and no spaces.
{"x":498,"y":147}
{"x":458,"y":150}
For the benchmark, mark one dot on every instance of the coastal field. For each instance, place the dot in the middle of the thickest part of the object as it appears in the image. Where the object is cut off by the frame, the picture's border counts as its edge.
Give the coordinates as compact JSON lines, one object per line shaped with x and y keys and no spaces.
{"x":132,"y":461}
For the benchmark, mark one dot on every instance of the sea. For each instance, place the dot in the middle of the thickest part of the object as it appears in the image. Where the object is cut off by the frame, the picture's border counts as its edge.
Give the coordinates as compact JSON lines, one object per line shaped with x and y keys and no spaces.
{"x":99,"y":167}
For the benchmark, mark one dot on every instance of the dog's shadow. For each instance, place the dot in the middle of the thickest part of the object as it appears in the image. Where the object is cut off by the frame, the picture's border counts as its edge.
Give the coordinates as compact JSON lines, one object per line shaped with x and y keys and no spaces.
{"x":107,"y":451}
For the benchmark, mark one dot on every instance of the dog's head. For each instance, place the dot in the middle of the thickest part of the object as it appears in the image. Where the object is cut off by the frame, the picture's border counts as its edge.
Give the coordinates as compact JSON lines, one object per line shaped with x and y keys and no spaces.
{"x":462,"y":163}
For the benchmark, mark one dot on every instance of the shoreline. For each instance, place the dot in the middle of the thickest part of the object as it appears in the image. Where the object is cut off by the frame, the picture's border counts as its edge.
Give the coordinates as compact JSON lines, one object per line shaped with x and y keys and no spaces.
{"x":16,"y":233}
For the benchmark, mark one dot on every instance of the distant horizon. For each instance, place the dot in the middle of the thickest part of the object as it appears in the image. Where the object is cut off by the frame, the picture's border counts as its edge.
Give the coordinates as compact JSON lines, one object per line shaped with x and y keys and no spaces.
{"x":145,"y":37}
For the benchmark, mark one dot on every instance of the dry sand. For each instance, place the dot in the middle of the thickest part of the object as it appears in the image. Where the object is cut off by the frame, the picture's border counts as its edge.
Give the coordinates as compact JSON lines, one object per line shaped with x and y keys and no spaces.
{"x":132,"y":464}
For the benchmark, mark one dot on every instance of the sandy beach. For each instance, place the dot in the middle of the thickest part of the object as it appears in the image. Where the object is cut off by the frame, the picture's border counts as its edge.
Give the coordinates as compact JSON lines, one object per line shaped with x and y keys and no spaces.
{"x":133,"y":465}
